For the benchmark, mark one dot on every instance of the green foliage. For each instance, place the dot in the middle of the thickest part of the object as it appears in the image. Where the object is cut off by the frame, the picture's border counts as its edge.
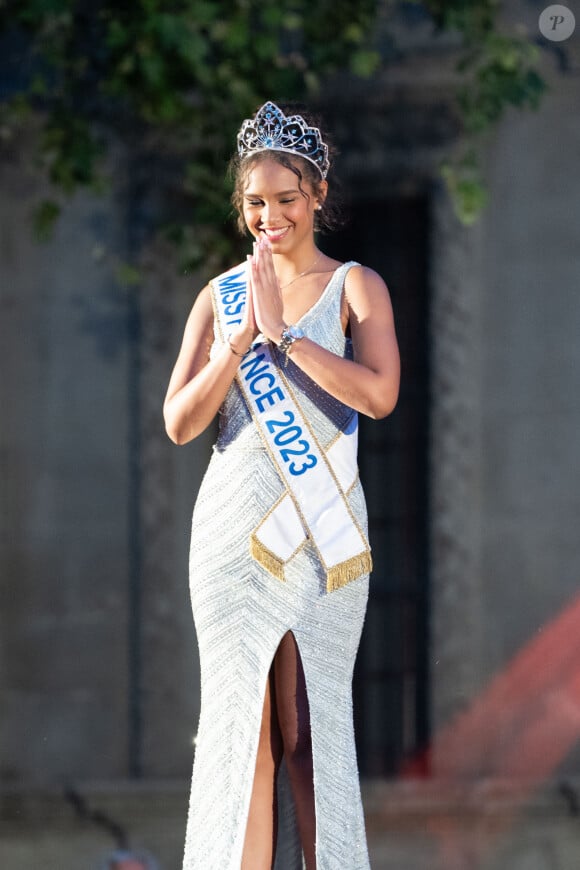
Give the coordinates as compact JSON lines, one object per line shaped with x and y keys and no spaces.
{"x":498,"y":71}
{"x":504,"y":76}
{"x":174,"y":77}
{"x":128,"y":275}
{"x":44,"y":218}
{"x":464,"y":182}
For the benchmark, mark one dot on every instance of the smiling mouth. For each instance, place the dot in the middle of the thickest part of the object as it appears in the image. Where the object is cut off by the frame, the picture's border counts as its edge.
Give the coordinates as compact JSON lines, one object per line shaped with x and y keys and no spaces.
{"x":274,"y":233}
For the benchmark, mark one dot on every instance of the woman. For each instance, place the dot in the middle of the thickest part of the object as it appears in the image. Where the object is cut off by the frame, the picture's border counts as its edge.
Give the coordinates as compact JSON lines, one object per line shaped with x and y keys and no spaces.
{"x":279,"y":557}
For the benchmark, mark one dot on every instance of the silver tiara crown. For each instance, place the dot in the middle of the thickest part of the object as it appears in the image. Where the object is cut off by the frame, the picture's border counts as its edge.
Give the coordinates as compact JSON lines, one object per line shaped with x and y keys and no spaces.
{"x":272,"y":130}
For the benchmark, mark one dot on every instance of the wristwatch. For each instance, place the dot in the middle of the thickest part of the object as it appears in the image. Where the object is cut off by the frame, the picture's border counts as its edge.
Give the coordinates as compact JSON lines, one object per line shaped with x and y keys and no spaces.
{"x":289,"y":335}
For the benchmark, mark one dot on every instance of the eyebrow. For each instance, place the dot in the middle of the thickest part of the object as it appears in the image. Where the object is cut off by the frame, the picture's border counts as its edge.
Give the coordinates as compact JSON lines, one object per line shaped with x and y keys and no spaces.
{"x":279,"y":193}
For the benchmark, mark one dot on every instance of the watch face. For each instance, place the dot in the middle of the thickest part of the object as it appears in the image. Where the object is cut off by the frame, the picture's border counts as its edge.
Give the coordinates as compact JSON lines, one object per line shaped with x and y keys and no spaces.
{"x":295,"y":332}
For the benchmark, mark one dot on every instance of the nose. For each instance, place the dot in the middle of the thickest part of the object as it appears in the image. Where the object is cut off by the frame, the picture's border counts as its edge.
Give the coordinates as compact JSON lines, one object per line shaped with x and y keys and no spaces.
{"x":270,"y":213}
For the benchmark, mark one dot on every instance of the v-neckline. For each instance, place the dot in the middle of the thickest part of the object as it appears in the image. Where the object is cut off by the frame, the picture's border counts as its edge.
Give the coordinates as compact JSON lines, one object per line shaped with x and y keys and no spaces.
{"x":325,"y":289}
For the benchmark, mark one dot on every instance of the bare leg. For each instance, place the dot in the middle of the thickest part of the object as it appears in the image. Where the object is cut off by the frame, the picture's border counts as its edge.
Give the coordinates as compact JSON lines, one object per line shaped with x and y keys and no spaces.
{"x":294,"y":722}
{"x":259,"y":845}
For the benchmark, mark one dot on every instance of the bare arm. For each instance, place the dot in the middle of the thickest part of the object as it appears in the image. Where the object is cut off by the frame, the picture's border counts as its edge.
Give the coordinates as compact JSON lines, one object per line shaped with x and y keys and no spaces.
{"x":199,"y":385}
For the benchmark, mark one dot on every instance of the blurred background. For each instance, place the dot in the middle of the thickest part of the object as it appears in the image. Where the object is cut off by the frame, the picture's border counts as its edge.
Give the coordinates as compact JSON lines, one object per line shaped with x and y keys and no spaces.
{"x":459,"y":137}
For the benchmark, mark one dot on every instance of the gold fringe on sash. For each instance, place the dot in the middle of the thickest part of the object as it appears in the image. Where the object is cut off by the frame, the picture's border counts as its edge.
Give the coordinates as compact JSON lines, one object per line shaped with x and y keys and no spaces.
{"x":266,"y":557}
{"x":336,"y":577}
{"x":341,"y":574}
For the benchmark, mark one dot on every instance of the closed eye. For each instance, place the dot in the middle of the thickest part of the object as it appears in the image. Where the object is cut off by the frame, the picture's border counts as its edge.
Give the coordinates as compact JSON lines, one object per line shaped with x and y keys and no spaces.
{"x":259,"y":201}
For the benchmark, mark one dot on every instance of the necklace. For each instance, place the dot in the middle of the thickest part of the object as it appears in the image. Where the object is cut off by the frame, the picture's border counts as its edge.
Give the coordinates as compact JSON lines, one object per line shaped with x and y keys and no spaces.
{"x":301,"y":275}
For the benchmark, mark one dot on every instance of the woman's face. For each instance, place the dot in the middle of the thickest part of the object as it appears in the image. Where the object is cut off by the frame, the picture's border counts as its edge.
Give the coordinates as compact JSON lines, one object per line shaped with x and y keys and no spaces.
{"x":274,"y":206}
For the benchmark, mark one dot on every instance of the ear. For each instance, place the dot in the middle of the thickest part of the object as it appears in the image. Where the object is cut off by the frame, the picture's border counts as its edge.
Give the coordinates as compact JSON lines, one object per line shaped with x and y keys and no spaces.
{"x":321,"y":194}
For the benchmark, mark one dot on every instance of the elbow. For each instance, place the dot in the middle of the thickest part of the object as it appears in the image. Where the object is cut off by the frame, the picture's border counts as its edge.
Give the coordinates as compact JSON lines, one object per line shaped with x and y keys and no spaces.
{"x":380,"y":412}
{"x":383,"y":394}
{"x":383,"y":405}
{"x":183,"y":428}
{"x":175,"y":430}
{"x":174,"y":434}
{"x":179,"y":435}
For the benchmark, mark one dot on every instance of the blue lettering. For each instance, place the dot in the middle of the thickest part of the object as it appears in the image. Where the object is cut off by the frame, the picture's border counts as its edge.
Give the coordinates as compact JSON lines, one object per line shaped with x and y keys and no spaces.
{"x":273,"y":396}
{"x":226,"y":297}
{"x":237,"y":309}
{"x":260,"y":377}
{"x":295,"y":470}
{"x":253,"y":363}
{"x":232,"y":283}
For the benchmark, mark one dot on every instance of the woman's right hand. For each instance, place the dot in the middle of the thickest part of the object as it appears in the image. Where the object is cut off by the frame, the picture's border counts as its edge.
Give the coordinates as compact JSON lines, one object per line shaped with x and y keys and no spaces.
{"x":242,"y":337}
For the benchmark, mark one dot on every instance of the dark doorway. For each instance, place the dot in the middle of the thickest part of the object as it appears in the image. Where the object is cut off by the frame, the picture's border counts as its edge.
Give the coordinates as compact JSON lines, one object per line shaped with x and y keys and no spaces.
{"x":391,"y":678}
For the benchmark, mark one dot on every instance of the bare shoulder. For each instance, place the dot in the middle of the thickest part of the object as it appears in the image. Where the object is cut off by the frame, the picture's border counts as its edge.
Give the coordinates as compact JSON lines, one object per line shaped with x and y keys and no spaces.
{"x":365,"y":289}
{"x":198,"y":335}
{"x":363,"y":278}
{"x":202,"y":312}
{"x":371,"y":322}
{"x":203,"y":300}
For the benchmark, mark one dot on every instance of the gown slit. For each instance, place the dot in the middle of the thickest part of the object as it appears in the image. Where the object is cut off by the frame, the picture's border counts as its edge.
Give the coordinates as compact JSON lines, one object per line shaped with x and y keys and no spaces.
{"x":295,"y":728}
{"x":279,"y":675}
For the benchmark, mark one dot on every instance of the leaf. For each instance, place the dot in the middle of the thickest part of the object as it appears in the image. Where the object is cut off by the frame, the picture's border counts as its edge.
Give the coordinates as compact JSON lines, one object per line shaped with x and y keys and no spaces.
{"x":44,"y":219}
{"x":354,"y":33}
{"x":292,"y":21}
{"x":466,"y":188}
{"x":364,"y":63}
{"x":128,"y":275}
{"x":470,"y":197}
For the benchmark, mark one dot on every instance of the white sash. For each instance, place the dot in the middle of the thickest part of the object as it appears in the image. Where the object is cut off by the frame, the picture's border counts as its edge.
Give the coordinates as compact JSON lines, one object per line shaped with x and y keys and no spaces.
{"x":314,"y":505}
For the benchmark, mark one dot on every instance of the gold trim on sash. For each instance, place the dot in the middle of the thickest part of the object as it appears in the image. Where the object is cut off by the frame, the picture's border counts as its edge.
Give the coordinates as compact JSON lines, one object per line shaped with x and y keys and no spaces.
{"x":343,"y":573}
{"x":266,"y":557}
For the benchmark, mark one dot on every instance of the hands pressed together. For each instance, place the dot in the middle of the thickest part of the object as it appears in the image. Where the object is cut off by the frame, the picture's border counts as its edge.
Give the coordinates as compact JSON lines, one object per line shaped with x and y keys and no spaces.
{"x":368,"y":383}
{"x":264,"y":307}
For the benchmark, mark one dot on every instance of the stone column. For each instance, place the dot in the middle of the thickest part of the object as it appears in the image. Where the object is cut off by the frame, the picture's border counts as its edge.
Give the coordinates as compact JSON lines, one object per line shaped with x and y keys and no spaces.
{"x":455,"y":458}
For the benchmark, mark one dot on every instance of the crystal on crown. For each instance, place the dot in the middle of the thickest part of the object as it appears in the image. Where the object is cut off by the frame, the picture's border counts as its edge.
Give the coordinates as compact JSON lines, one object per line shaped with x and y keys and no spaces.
{"x":271,"y":129}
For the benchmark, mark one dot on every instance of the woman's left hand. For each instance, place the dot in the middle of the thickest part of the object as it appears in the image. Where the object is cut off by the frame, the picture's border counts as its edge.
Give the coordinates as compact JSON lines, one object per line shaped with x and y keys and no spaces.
{"x":266,"y":293}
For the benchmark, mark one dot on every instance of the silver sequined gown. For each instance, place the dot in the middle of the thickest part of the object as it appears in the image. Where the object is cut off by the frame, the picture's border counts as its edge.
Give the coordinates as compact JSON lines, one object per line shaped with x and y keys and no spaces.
{"x":241,"y":613}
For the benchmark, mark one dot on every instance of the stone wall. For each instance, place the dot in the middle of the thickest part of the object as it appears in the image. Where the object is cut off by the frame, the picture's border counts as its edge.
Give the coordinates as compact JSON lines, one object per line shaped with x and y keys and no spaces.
{"x":531,"y":372}
{"x":64,"y":555}
{"x":98,"y":667}
{"x":530,"y":403}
